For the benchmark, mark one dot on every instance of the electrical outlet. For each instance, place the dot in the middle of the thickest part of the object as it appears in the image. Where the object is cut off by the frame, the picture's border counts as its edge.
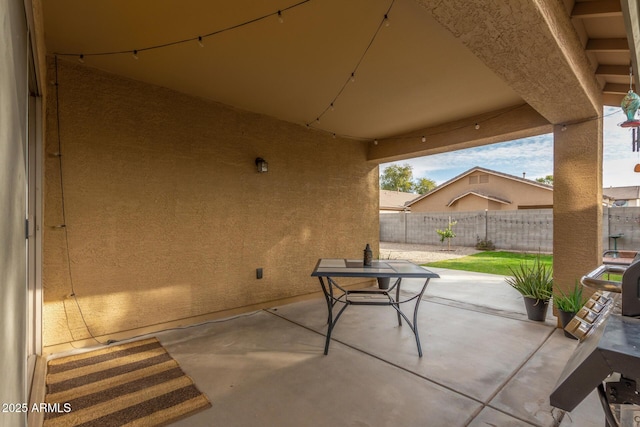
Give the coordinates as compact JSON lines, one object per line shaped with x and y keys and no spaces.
{"x":258,"y":273}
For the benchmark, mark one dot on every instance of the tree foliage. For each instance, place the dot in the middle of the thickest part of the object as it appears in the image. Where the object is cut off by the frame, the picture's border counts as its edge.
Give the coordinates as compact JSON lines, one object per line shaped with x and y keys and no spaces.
{"x":397,"y":178}
{"x":424,"y":185}
{"x":546,"y":180}
{"x":400,"y":178}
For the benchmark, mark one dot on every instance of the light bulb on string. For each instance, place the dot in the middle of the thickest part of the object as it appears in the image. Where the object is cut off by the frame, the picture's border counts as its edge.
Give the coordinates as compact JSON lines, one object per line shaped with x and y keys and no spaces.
{"x":280,"y":18}
{"x":386,"y":20}
{"x":477,"y":126}
{"x":135,"y":54}
{"x":200,"y":42}
{"x":81,"y":59}
{"x":353,"y":77}
{"x":331,"y":107}
{"x":424,"y":139}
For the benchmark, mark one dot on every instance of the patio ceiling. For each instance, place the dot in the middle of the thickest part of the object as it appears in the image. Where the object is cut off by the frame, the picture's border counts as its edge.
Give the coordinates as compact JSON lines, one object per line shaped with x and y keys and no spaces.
{"x":410,"y":75}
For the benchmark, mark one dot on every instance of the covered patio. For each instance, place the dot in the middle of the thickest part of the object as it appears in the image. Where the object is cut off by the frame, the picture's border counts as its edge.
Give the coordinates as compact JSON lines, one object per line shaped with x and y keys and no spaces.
{"x":130,"y":136}
{"x":484,"y":364}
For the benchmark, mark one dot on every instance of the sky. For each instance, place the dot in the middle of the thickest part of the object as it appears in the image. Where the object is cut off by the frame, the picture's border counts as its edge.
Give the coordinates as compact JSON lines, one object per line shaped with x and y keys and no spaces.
{"x":533,"y":156}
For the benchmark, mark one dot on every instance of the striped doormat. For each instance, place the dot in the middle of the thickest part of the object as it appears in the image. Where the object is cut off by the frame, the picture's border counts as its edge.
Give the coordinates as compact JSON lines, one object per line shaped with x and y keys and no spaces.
{"x":133,"y":384}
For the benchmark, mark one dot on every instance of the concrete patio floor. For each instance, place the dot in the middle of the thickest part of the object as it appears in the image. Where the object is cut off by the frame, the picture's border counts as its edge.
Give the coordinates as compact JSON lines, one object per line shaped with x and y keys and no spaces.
{"x":484,"y":363}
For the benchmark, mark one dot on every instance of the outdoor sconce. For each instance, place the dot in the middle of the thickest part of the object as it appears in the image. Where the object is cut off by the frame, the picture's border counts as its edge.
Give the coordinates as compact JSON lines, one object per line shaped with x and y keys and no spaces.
{"x":261,"y":164}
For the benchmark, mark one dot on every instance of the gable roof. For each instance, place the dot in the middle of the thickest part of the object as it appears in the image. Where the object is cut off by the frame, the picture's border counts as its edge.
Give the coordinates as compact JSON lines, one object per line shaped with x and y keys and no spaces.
{"x":623,"y":193}
{"x":395,"y":200}
{"x":482,"y":195}
{"x":488,"y":171}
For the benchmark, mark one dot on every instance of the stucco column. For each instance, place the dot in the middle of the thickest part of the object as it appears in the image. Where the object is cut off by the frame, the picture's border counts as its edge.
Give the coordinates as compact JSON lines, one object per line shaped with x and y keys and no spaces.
{"x":577,"y":201}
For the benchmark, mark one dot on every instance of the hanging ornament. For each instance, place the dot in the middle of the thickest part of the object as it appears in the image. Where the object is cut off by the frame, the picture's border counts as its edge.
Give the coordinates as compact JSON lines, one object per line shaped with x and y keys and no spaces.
{"x":630,"y":104}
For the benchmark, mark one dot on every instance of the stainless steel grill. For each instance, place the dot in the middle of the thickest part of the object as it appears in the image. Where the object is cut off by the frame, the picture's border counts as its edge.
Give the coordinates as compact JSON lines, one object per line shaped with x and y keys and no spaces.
{"x":608,"y":355}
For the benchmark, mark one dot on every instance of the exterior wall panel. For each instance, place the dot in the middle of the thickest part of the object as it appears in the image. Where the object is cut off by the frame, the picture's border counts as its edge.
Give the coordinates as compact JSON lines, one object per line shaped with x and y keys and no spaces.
{"x":166,"y":217}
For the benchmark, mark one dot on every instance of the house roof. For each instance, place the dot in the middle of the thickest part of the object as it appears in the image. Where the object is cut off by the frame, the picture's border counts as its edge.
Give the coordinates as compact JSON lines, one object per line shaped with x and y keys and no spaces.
{"x":488,"y":171}
{"x":395,"y":200}
{"x":623,"y":193}
{"x":482,"y":195}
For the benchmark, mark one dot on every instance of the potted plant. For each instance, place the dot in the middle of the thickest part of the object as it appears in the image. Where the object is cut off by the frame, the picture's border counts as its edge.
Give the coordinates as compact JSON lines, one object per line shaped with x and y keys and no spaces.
{"x":535,"y":284}
{"x":568,"y":305}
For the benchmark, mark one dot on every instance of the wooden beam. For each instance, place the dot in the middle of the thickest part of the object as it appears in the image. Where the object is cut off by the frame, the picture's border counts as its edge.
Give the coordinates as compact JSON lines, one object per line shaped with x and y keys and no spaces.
{"x":596,"y":9}
{"x":607,"y":45}
{"x":497,"y":126}
{"x":618,"y":88}
{"x":612,"y":99}
{"x":613,"y":70}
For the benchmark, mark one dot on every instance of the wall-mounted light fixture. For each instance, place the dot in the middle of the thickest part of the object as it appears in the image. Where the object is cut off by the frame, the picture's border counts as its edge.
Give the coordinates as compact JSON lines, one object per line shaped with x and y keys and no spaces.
{"x":261,"y":164}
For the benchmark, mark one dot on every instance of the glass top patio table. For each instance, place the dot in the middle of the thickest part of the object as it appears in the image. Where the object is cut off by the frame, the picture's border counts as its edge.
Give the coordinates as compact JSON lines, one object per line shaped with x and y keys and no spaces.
{"x":338,"y":267}
{"x":327,"y":269}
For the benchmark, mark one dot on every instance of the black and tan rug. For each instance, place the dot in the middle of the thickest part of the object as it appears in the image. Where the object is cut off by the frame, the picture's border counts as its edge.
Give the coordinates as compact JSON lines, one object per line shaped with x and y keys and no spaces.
{"x":133,"y":384}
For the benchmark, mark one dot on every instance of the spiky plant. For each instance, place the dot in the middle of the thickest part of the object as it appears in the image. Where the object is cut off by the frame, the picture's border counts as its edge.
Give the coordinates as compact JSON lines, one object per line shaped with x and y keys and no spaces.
{"x":571,"y":302}
{"x":532,"y":280}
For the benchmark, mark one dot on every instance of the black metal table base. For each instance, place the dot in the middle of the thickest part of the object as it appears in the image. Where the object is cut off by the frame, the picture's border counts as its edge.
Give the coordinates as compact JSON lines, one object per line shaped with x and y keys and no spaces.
{"x":344,"y":298}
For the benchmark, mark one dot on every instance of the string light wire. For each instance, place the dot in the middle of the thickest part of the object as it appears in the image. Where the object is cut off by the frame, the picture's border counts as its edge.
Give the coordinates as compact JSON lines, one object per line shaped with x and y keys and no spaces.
{"x":352,"y":76}
{"x":198,"y":39}
{"x":384,"y":22}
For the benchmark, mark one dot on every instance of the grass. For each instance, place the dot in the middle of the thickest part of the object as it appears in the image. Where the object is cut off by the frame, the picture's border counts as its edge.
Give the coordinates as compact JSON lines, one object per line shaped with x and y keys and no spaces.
{"x":491,"y":262}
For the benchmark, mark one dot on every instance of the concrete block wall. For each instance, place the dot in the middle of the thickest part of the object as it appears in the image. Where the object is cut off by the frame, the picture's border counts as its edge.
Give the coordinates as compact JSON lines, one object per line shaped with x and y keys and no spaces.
{"x":625,"y":221}
{"x":519,"y":230}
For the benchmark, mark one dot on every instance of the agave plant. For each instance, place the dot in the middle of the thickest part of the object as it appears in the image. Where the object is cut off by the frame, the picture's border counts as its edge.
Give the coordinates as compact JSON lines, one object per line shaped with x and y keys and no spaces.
{"x":571,"y":302}
{"x":532,"y":280}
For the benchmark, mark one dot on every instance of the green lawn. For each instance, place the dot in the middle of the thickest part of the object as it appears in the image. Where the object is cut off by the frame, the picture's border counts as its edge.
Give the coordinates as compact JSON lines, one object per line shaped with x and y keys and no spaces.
{"x":491,"y":262}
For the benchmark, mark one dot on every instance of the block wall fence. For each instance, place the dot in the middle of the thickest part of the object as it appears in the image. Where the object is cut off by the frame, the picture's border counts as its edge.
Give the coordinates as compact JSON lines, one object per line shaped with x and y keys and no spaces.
{"x":518,"y":230}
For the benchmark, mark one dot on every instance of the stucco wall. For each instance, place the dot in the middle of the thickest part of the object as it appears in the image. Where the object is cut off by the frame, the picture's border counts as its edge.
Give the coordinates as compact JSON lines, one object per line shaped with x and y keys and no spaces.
{"x":13,"y":111}
{"x":519,"y":195}
{"x":166,"y":215}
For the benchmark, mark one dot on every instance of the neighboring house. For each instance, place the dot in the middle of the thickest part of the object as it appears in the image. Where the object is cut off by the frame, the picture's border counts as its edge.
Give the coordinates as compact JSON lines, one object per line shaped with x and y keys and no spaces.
{"x":395,"y":201}
{"x":480,"y":189}
{"x":624,"y":196}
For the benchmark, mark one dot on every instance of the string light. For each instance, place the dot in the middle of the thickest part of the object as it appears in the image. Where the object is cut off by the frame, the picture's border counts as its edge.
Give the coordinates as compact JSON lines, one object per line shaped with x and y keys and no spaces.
{"x":424,"y":139}
{"x":135,"y":54}
{"x":564,"y":127}
{"x":81,"y":59}
{"x":200,"y":41}
{"x":477,"y":126}
{"x":352,"y":78}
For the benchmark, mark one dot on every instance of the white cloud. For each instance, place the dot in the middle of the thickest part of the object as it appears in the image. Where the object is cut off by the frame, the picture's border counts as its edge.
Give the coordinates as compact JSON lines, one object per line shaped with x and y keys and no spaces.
{"x":534,"y":156}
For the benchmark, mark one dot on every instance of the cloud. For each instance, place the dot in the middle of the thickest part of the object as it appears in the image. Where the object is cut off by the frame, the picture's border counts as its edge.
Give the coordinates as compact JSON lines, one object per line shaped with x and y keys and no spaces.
{"x":534,"y":156}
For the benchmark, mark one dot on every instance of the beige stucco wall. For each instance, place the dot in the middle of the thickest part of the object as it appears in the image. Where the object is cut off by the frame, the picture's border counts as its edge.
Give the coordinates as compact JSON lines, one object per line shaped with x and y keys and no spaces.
{"x":166,"y":215}
{"x":520,"y":195}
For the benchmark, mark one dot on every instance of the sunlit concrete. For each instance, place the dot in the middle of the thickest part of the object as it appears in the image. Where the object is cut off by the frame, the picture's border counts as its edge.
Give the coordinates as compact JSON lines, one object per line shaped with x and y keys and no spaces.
{"x":483,"y":364}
